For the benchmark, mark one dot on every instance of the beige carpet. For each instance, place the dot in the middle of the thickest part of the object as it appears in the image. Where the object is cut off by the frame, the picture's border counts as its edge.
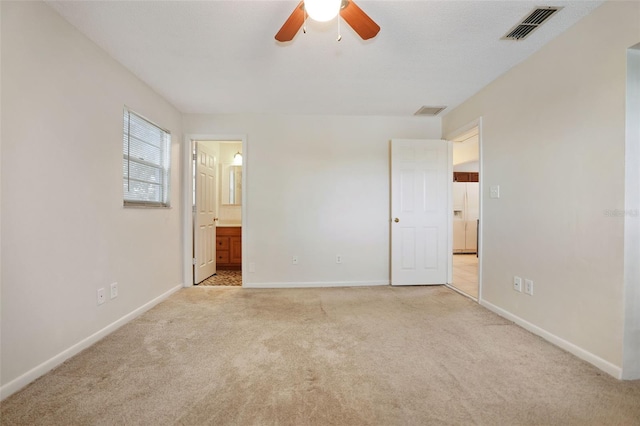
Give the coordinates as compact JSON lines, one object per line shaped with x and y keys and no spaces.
{"x":343,"y":356}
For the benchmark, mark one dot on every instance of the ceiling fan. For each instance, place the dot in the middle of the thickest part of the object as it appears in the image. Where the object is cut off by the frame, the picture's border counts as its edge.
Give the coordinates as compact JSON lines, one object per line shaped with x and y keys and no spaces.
{"x":349,"y":11}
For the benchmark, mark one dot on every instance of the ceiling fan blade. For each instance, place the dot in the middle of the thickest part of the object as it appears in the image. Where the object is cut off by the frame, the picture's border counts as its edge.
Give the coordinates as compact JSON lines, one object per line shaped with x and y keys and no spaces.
{"x":292,"y":25}
{"x":359,"y":21}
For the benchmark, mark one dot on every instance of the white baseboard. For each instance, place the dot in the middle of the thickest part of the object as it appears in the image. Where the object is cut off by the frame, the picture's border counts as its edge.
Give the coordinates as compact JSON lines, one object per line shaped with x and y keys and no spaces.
{"x":297,"y":284}
{"x":581,"y":353}
{"x":31,"y":375}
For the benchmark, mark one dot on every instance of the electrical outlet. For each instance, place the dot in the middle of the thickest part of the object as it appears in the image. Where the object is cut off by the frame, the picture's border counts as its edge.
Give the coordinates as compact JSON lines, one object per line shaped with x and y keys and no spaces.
{"x":528,"y":287}
{"x":294,"y":260}
{"x":114,"y":290}
{"x":517,"y":284}
{"x":101,"y":296}
{"x":494,"y":191}
{"x":338,"y":258}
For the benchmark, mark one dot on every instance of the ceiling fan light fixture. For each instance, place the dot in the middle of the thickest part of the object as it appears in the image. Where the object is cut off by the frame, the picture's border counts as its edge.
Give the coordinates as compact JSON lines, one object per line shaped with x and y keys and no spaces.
{"x":322,"y":10}
{"x":355,"y":17}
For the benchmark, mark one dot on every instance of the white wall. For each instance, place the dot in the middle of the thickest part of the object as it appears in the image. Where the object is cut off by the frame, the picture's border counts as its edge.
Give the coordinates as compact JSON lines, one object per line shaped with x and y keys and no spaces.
{"x":554,"y":140}
{"x":317,"y":186}
{"x":64,"y":230}
{"x":465,"y":152}
{"x":471,"y":166}
{"x":228,"y":150}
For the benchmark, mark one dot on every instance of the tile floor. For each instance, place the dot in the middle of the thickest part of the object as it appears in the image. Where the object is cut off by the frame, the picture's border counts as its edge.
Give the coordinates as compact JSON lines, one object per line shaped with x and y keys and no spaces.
{"x":465,"y":273}
{"x":226,"y":278}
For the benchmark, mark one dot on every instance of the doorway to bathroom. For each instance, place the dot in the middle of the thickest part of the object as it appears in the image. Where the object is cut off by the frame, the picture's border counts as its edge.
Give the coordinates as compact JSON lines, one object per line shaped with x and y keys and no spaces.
{"x":217,"y":212}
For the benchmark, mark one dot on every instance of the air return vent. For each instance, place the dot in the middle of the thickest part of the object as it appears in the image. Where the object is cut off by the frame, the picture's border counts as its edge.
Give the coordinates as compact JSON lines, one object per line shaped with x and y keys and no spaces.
{"x":430,"y":110}
{"x":537,"y":17}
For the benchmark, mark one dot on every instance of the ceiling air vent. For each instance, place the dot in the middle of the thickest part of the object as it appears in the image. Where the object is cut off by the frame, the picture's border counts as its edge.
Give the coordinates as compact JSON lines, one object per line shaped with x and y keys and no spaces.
{"x":537,"y":17}
{"x":430,"y":110}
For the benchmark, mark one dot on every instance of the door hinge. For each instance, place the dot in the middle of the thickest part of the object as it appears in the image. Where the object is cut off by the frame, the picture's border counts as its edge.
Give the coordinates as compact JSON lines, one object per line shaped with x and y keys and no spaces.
{"x":193,"y":209}
{"x":193,"y":260}
{"x":195,"y":156}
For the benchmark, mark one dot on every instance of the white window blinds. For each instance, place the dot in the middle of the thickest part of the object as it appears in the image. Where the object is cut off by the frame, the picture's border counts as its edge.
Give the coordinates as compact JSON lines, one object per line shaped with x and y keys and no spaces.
{"x":145,"y":162}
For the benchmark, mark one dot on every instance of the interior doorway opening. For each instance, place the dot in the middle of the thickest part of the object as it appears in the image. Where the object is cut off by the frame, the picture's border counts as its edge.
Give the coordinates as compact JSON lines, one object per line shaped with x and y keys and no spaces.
{"x":466,"y":212}
{"x":217,"y":212}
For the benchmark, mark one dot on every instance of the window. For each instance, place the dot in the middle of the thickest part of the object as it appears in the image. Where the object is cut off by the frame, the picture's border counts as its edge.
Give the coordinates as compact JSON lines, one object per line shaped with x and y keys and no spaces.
{"x":145,"y":162}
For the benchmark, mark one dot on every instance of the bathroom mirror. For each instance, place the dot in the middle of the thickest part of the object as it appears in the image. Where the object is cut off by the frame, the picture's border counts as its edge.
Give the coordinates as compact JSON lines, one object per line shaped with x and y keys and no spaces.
{"x":231,"y":184}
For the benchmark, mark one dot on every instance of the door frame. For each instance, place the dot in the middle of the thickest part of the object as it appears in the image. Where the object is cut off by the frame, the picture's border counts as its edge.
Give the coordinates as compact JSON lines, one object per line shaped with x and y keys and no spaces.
{"x":631,"y":341}
{"x":451,"y":136}
{"x":187,"y":187}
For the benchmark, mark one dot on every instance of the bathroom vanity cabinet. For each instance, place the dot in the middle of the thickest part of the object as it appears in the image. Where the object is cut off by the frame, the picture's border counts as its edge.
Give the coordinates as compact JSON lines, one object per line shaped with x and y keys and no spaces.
{"x":229,"y":248}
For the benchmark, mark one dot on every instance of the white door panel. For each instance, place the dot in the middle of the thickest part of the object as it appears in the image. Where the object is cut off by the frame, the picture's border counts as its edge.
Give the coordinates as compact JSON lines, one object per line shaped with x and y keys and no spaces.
{"x":430,"y":244}
{"x":205,"y":235}
{"x":408,"y":247}
{"x":420,"y":202}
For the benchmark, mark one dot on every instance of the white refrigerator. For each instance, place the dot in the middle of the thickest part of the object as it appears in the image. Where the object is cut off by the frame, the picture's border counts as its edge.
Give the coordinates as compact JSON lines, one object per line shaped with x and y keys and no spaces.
{"x":466,"y":208}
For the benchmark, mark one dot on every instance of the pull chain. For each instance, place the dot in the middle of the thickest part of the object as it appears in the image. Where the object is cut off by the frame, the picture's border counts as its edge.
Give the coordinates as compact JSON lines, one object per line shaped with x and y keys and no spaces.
{"x":339,"y":35}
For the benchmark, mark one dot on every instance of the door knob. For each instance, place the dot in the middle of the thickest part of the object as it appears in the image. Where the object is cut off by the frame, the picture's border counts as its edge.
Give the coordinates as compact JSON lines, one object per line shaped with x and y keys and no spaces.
{"x":396,"y":220}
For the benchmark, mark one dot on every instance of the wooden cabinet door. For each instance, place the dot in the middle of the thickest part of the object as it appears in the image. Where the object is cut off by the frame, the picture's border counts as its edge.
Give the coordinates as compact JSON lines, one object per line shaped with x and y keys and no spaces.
{"x":461,"y":177}
{"x":235,"y":250}
{"x":229,"y":247}
{"x":465,"y":176}
{"x":222,"y":257}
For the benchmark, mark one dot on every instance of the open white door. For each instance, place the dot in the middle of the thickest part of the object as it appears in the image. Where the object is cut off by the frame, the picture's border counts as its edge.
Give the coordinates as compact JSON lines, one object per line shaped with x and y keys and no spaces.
{"x":205,"y":216}
{"x":420,"y":204}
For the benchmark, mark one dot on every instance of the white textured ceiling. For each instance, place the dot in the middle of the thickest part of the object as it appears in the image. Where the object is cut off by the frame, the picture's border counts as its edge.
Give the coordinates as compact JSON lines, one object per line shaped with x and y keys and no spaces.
{"x":221,"y":57}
